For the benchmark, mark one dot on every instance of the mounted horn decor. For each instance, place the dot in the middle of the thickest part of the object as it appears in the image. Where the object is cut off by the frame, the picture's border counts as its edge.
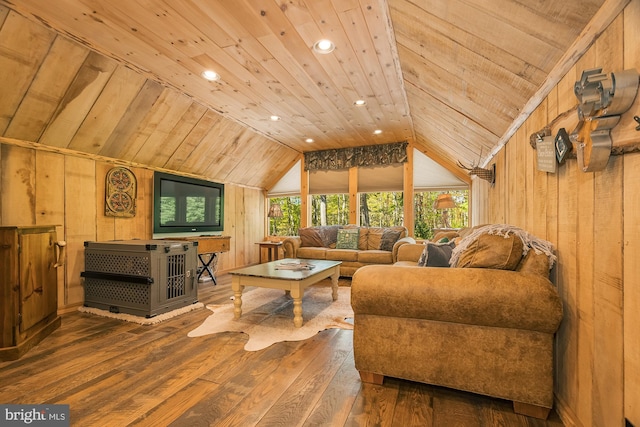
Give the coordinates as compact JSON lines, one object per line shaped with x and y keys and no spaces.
{"x":601,"y":100}
{"x":486,"y":174}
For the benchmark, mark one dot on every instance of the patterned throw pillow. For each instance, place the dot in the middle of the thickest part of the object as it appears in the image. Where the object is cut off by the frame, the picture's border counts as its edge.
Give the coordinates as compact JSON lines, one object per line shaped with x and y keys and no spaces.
{"x":436,"y":254}
{"x":348,"y":238}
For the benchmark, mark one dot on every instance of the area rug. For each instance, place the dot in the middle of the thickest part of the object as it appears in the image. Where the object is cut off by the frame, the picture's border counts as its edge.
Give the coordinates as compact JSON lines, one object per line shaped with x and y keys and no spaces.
{"x":139,"y":319}
{"x":267,"y":315}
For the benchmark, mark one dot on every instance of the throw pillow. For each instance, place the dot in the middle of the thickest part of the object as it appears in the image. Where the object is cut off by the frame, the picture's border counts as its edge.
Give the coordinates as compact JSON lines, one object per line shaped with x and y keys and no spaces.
{"x":534,"y":263}
{"x":492,"y":251}
{"x":436,"y":254}
{"x":329,"y":235}
{"x":309,"y":237}
{"x":389,"y":238}
{"x":347,"y":238}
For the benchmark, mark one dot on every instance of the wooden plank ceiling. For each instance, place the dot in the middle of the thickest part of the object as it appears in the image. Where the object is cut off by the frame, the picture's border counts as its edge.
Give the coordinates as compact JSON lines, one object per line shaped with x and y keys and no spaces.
{"x":122,"y":78}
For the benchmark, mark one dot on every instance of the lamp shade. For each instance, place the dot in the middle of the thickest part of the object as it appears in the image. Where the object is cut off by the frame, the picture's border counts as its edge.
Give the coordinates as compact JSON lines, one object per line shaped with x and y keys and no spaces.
{"x":275,"y":211}
{"x":444,"y":201}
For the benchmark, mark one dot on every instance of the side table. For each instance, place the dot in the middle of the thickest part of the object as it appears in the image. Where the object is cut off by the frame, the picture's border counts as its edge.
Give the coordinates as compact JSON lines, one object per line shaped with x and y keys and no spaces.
{"x":273,"y":250}
{"x":208,"y":249}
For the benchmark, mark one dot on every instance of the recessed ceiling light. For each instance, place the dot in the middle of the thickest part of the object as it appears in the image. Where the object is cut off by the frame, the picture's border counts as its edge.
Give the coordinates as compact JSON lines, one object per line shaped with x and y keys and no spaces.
{"x":359,"y":102}
{"x":377,"y":132}
{"x":309,"y":140}
{"x":324,"y":46}
{"x":275,"y":118}
{"x":210,"y":75}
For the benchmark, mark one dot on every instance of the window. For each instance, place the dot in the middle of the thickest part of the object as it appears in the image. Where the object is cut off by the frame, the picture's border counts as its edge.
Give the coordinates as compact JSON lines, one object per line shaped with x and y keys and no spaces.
{"x":329,"y":209}
{"x":427,"y":218}
{"x":381,"y":209}
{"x":289,"y":223}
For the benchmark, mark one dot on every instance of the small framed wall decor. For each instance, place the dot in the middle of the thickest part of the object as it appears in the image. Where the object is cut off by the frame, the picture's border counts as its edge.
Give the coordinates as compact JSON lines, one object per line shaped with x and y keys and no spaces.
{"x":120,"y":193}
{"x":546,"y":152}
{"x":563,"y":146}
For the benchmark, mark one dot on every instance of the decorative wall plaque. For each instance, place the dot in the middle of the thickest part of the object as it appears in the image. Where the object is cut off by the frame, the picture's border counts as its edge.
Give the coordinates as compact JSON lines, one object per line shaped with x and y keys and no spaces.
{"x":546,"y":152}
{"x":563,"y":145}
{"x":120,"y":193}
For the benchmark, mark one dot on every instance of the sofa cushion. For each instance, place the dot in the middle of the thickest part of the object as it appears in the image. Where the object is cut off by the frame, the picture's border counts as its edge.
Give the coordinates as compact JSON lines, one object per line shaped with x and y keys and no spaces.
{"x":347,"y":238}
{"x":375,"y":238}
{"x":436,"y":254}
{"x":375,"y":257}
{"x":492,"y":251}
{"x":342,"y":254}
{"x":312,"y":253}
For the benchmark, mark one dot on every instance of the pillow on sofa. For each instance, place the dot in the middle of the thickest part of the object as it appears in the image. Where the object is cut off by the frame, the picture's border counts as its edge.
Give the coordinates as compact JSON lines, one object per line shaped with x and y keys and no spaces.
{"x":310,"y":237}
{"x":389,"y":238}
{"x":492,"y":251}
{"x":348,"y":238}
{"x":436,"y":254}
{"x":534,"y":263}
{"x":329,"y":235}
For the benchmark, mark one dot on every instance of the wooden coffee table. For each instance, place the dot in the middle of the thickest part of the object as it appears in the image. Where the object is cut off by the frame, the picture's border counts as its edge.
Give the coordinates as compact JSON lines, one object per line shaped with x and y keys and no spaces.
{"x":291,"y":281}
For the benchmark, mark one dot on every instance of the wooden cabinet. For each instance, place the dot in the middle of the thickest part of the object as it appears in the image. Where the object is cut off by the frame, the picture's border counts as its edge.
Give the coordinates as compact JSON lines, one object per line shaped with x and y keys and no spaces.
{"x":29,"y":257}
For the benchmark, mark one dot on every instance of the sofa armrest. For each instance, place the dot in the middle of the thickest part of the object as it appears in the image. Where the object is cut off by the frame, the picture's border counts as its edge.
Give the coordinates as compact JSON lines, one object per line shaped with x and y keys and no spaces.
{"x":398,"y":244}
{"x":290,"y":245}
{"x":410,"y":252}
{"x":474,"y":296}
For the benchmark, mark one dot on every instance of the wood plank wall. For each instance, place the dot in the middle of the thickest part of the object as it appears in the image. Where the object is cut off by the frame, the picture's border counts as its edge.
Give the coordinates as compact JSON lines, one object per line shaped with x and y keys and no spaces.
{"x":593,"y":219}
{"x":41,"y":186}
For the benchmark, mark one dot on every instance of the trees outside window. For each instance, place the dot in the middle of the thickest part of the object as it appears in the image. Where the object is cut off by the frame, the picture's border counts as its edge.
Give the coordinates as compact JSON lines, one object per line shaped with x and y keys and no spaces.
{"x":382,"y":209}
{"x":330,"y":209}
{"x":289,"y":223}
{"x":426,"y":218}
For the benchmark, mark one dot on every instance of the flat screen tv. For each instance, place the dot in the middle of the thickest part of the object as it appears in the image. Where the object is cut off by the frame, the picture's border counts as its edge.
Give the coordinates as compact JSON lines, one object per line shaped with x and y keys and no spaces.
{"x":184,"y":206}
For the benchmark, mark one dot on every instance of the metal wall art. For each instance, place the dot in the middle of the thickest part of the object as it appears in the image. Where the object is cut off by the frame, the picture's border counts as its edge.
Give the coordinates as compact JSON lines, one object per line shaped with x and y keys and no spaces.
{"x":120,"y":193}
{"x":602,"y":99}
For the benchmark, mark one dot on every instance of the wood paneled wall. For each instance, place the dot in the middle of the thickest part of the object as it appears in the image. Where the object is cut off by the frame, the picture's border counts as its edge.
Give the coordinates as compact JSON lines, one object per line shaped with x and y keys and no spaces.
{"x":593,"y":219}
{"x":41,"y":186}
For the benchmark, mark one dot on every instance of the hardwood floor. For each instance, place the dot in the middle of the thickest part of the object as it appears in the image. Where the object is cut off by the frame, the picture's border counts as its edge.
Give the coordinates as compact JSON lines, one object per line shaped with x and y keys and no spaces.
{"x":114,"y":373}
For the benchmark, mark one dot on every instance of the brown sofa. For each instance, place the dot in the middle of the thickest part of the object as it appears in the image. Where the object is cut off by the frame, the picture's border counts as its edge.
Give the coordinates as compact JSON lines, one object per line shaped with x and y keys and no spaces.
{"x":376,"y":245}
{"x":483,"y":330}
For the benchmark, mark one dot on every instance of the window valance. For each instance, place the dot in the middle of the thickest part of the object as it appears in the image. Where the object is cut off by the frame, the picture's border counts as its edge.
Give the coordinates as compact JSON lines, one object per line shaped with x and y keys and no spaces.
{"x":344,"y":158}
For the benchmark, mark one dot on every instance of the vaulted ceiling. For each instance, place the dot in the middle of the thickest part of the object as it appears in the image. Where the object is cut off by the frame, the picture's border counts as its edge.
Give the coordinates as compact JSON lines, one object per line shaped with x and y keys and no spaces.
{"x":123,"y":78}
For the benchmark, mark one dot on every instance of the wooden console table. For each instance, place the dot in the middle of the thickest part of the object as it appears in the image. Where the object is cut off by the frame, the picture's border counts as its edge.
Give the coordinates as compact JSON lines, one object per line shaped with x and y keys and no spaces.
{"x":208,"y":249}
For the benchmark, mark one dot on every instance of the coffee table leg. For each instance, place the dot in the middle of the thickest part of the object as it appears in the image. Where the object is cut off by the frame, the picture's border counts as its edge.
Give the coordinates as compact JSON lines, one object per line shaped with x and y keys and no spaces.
{"x":296,"y":293}
{"x":237,"y":297}
{"x":334,"y":283}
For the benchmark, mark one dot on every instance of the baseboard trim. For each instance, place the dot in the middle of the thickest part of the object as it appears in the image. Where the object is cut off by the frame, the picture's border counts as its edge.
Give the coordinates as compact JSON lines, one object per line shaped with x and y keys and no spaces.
{"x":566,"y":414}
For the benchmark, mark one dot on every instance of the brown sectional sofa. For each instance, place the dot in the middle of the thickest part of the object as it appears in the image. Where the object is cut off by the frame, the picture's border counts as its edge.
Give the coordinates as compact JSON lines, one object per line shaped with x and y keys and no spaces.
{"x":376,"y":245}
{"x":483,"y":330}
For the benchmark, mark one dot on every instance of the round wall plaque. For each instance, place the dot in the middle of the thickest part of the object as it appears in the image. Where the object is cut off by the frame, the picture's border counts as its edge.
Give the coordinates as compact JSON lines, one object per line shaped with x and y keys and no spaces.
{"x":120,"y":189}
